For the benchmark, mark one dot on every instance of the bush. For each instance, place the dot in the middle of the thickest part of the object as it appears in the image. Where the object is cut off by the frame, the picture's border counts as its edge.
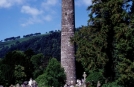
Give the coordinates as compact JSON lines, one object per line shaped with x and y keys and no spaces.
{"x":41,"y":80}
{"x":94,"y":77}
{"x":113,"y":84}
{"x":53,"y":76}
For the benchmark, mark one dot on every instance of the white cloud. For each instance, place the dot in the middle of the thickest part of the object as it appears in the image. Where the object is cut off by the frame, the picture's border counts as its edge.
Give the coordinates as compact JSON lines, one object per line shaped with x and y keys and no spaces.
{"x":34,"y":20}
{"x":36,"y":16}
{"x":47,"y":18}
{"x":18,"y":1}
{"x":50,"y":2}
{"x":40,"y":16}
{"x":87,"y":2}
{"x":47,"y":4}
{"x":31,"y":20}
{"x":5,"y":4}
{"x":83,"y":2}
{"x":9,"y":3}
{"x":31,"y":11}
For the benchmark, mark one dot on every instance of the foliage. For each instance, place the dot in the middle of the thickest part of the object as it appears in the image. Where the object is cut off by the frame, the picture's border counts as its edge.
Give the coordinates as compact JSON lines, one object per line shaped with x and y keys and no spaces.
{"x":107,"y":43}
{"x":41,"y":80}
{"x":87,"y":50}
{"x":5,"y":74}
{"x":19,"y":74}
{"x":112,"y":84}
{"x":7,"y":66}
{"x":53,"y":76}
{"x":37,"y":61}
{"x":94,"y":77}
{"x":16,"y":67}
{"x":125,"y":72}
{"x":48,"y":44}
{"x":32,"y":53}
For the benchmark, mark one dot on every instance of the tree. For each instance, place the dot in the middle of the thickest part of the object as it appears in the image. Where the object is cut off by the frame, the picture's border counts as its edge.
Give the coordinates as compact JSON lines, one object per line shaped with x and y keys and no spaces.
{"x":37,"y":61}
{"x":8,"y":66}
{"x":106,"y":44}
{"x":6,"y":75}
{"x":28,"y":64}
{"x":15,"y":67}
{"x":53,"y":75}
{"x":19,"y":74}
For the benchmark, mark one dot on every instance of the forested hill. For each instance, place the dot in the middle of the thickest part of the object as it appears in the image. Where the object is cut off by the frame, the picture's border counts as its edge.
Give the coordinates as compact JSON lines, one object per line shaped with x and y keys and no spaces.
{"x":48,"y":44}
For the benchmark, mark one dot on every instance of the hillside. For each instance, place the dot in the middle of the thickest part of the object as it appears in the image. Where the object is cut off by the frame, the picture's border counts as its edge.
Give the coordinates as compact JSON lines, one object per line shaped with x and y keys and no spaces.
{"x":48,"y":44}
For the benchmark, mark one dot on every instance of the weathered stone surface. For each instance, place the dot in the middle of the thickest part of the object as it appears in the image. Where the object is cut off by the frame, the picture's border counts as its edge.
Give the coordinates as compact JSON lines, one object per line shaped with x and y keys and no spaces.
{"x":67,"y":48}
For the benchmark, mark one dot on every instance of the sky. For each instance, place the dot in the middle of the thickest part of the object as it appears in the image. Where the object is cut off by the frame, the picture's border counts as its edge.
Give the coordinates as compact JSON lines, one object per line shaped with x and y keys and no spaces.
{"x":22,"y":17}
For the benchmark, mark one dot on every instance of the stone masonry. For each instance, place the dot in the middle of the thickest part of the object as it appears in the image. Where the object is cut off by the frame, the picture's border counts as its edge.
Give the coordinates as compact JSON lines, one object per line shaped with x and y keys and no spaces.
{"x":67,"y":48}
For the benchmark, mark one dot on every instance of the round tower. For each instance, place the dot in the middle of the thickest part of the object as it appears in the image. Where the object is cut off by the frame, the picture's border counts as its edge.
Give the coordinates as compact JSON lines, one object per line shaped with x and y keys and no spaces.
{"x":67,"y":48}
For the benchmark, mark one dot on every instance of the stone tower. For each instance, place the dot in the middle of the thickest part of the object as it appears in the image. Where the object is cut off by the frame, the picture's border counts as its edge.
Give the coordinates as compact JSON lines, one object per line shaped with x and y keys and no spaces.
{"x":67,"y":48}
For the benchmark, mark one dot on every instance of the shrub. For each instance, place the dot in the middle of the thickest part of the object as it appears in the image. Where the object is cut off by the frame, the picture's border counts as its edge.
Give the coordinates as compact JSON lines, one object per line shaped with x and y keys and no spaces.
{"x":94,"y":77}
{"x":113,"y":84}
{"x":53,"y":76}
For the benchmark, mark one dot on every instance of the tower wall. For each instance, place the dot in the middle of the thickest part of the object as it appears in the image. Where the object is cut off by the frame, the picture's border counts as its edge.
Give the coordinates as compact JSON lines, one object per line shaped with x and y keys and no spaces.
{"x":67,"y":48}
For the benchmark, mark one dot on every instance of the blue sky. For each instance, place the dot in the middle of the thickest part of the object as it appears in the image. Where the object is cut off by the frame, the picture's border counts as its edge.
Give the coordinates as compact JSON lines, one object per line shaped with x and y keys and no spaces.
{"x":21,"y":17}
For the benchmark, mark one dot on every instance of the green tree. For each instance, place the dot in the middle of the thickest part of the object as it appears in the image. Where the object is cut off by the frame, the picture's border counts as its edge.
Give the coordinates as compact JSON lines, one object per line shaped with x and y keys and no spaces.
{"x":37,"y":61}
{"x":106,"y":44}
{"x":7,"y":66}
{"x":19,"y":74}
{"x":41,"y":80}
{"x":15,"y":67}
{"x":125,"y":75}
{"x":6,"y":75}
{"x":29,"y":67}
{"x":53,"y":76}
